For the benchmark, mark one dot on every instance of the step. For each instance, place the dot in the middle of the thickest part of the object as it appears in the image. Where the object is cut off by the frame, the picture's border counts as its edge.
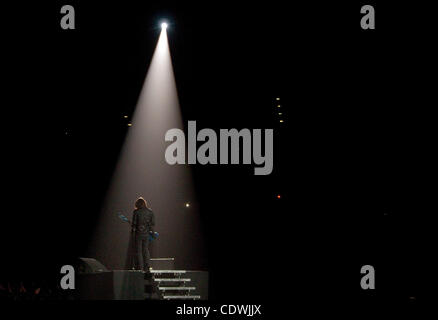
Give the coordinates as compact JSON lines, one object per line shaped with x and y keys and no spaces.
{"x":181,"y":297}
{"x":175,"y":272}
{"x":172,"y":280}
{"x":163,"y":263}
{"x":176,"y":288}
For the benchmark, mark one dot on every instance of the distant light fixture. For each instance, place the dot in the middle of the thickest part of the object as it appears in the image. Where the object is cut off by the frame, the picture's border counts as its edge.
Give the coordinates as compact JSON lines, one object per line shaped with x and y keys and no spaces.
{"x":280,"y":113}
{"x":281,"y":121}
{"x":187,"y":205}
{"x":278,"y":99}
{"x":278,"y":196}
{"x":278,"y":106}
{"x":129,"y":124}
{"x":164,"y":25}
{"x":126,"y":117}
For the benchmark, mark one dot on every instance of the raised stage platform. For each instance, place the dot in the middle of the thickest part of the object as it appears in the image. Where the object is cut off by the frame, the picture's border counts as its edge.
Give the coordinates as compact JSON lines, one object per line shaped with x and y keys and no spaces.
{"x":163,"y":282}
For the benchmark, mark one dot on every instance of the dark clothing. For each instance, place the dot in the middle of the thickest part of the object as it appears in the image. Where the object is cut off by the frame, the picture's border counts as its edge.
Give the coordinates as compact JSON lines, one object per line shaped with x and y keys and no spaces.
{"x":143,"y":222}
{"x":142,"y":247}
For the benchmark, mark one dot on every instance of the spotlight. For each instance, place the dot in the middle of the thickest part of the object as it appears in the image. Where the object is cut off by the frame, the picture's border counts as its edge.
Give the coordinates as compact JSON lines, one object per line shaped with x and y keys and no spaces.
{"x":278,"y":196}
{"x":140,"y":166}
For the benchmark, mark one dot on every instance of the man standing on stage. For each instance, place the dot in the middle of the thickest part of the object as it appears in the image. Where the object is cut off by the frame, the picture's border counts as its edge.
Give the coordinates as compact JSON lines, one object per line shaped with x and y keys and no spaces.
{"x":143,"y":222}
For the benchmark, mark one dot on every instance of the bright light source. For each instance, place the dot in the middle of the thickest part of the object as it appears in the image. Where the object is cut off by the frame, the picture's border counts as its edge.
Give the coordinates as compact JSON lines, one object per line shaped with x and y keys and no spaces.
{"x":281,"y":121}
{"x":278,"y":196}
{"x":129,"y":124}
{"x":279,"y":106}
{"x":187,"y":205}
{"x":126,"y":117}
{"x":278,"y":99}
{"x":164,"y":25}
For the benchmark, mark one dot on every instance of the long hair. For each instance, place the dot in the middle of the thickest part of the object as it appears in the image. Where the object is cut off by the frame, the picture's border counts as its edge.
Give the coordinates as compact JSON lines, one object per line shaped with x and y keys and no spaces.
{"x":140,"y":203}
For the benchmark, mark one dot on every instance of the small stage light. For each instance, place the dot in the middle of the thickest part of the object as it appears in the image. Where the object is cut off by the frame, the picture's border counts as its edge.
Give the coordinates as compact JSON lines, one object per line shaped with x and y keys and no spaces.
{"x":278,"y":106}
{"x":126,"y":117}
{"x":129,"y":124}
{"x":281,"y":121}
{"x":278,"y":196}
{"x":187,"y":205}
{"x":278,"y":99}
{"x":164,"y":25}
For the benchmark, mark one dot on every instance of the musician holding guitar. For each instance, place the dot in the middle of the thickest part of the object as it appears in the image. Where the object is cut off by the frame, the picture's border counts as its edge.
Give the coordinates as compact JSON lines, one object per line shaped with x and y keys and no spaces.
{"x":143,"y":222}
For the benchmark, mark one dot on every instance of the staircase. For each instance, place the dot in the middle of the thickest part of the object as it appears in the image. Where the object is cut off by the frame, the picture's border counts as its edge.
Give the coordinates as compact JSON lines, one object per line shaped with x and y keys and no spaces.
{"x":165,"y":283}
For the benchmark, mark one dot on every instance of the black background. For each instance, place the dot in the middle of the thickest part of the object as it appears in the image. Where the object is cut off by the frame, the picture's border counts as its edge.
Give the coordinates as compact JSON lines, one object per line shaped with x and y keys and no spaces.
{"x":353,"y":160}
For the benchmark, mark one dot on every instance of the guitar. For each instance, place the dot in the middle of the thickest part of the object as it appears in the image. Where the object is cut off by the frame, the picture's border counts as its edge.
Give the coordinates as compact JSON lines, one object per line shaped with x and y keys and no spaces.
{"x":152,"y":235}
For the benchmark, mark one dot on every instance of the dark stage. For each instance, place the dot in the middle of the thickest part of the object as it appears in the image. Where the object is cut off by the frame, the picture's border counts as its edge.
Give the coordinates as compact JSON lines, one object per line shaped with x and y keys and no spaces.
{"x":352,"y":178}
